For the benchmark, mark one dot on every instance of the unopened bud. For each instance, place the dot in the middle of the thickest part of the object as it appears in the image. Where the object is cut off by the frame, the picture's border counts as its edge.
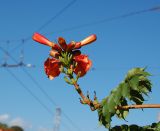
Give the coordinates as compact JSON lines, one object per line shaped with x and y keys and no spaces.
{"x":88,"y":40}
{"x":54,"y":53}
{"x":41,"y":39}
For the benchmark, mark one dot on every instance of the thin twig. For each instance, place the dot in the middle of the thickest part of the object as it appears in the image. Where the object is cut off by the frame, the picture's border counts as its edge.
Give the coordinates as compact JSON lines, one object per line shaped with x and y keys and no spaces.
{"x":97,"y":105}
{"x":139,"y":106}
{"x":94,"y":106}
{"x":85,"y":99}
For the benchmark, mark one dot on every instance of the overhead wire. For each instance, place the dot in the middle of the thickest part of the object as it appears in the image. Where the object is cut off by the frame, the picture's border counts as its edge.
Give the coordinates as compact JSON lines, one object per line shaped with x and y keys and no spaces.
{"x":81,"y":26}
{"x":47,"y":22}
{"x":156,"y":8}
{"x":42,"y":90}
{"x":106,"y":20}
{"x":58,"y":14}
{"x":34,"y":96}
{"x":48,"y":97}
{"x":29,"y":91}
{"x":29,"y":75}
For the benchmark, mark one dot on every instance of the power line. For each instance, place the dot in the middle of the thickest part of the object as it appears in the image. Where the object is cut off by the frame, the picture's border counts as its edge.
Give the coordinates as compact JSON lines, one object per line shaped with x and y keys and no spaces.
{"x":48,"y":97}
{"x":34,"y":96}
{"x":25,"y":87}
{"x":29,"y":75}
{"x":42,"y":90}
{"x":29,"y":91}
{"x":81,"y":26}
{"x":58,"y":14}
{"x":107,"y":20}
{"x":47,"y":22}
{"x":156,"y":8}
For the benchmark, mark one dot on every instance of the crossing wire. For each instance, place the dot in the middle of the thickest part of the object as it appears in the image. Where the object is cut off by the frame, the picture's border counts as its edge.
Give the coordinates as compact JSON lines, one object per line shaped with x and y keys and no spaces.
{"x":29,"y":75}
{"x":34,"y":96}
{"x":41,"y":89}
{"x":48,"y":97}
{"x":156,"y":8}
{"x":46,"y":23}
{"x":29,"y":91}
{"x":58,"y":14}
{"x":106,"y":20}
{"x":81,"y":26}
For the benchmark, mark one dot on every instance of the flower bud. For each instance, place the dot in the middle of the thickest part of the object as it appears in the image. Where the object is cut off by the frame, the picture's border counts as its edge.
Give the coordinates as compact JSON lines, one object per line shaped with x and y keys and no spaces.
{"x":88,"y":40}
{"x":54,"y":53}
{"x":41,"y":39}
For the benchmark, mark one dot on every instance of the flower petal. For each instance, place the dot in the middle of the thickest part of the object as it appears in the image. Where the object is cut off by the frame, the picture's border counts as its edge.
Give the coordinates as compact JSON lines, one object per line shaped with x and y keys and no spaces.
{"x":83,"y":64}
{"x":52,"y":67}
{"x":70,"y":46}
{"x":62,"y":43}
{"x":56,"y":47}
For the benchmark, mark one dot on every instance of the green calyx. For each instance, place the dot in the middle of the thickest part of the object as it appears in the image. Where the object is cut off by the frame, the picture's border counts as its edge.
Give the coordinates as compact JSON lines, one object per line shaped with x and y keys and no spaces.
{"x":66,"y":59}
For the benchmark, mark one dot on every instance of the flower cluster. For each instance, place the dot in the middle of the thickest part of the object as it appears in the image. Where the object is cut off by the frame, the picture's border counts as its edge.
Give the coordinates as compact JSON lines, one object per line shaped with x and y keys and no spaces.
{"x":65,"y":57}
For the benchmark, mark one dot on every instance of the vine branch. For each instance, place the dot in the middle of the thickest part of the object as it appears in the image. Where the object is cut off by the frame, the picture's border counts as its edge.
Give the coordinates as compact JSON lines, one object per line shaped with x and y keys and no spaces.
{"x":97,"y":105}
{"x":139,"y":106}
{"x":85,"y":100}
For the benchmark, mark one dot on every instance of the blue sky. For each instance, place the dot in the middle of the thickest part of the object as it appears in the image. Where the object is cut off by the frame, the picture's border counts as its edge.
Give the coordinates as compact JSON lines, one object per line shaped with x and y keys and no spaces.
{"x":122,"y":43}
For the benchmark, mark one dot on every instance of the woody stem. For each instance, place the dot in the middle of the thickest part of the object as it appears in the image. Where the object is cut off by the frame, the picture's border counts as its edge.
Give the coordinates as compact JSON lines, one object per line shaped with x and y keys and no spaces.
{"x":97,"y":106}
{"x":139,"y":106}
{"x":85,"y":99}
{"x":93,"y":106}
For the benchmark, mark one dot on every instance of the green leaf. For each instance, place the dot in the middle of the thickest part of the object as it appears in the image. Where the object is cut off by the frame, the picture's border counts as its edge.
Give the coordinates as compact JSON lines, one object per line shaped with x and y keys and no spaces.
{"x":125,"y":90}
{"x":137,"y":100}
{"x":152,"y":127}
{"x":122,"y":114}
{"x":134,"y":128}
{"x":134,"y":82}
{"x":146,"y":83}
{"x":133,"y":72}
{"x":105,"y":109}
{"x":137,"y":97}
{"x":144,"y":90}
{"x":104,"y":101}
{"x":112,"y":106}
{"x":146,"y":73}
{"x":117,"y":95}
{"x":104,"y":119}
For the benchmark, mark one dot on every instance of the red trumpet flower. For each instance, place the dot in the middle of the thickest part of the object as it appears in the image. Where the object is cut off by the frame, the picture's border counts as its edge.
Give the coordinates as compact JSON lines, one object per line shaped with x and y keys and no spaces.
{"x":52,"y":68}
{"x":52,"y":65}
{"x":83,"y":64}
